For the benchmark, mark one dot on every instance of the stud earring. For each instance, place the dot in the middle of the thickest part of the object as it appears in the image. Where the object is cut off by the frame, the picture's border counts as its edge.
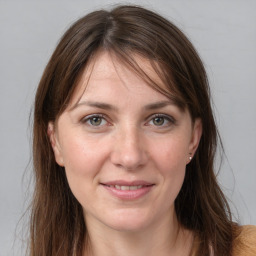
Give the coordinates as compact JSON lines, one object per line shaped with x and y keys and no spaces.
{"x":190,"y":156}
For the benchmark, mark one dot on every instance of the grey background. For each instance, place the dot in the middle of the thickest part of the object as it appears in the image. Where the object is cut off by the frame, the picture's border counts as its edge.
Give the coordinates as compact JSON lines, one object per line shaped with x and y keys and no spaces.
{"x":224,"y":32}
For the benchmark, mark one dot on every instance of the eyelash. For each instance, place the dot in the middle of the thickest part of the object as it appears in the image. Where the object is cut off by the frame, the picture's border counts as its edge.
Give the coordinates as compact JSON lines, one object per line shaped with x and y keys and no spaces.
{"x":169,"y":119}
{"x":166,"y":118}
{"x":90,"y":117}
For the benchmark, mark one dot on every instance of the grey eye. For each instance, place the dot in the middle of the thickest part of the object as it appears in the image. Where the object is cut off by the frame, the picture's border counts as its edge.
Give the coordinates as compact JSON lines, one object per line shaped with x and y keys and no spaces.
{"x":158,"y":121}
{"x":95,"y":121}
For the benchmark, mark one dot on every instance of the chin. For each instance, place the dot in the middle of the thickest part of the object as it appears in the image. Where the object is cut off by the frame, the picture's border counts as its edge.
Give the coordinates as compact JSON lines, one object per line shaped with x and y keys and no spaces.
{"x":129,"y":220}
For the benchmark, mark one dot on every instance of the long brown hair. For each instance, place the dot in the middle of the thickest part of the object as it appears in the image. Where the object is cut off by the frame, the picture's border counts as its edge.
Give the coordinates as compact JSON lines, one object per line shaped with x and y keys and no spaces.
{"x":57,"y":223}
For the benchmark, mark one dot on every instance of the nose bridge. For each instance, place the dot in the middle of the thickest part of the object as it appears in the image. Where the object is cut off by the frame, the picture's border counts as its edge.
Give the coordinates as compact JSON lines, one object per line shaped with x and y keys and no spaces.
{"x":129,"y":151}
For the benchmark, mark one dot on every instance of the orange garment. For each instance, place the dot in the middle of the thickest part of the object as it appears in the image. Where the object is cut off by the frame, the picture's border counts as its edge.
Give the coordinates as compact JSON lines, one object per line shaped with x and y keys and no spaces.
{"x":243,"y":245}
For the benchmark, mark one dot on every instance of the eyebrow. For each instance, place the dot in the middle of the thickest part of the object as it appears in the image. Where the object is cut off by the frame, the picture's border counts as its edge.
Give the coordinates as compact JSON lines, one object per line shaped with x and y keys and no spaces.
{"x":106,"y":106}
{"x":160,"y":104}
{"x":95,"y":104}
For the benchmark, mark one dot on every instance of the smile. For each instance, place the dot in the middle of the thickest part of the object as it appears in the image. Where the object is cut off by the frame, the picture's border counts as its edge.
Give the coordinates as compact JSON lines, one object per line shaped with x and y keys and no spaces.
{"x":128,"y":190}
{"x":126,"y":187}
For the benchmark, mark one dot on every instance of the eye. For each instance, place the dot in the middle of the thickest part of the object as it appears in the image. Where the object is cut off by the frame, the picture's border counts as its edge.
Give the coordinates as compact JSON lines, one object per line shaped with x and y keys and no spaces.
{"x":95,"y":120}
{"x":158,"y":121}
{"x":161,"y":120}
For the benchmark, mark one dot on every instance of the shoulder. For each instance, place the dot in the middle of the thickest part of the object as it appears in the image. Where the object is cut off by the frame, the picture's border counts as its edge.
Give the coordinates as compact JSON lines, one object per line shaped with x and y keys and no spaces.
{"x":245,"y":242}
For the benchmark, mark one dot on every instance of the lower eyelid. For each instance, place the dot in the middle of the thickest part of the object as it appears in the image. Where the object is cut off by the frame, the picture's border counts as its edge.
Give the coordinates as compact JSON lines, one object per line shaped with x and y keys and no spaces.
{"x":87,"y":118}
{"x":166,"y":117}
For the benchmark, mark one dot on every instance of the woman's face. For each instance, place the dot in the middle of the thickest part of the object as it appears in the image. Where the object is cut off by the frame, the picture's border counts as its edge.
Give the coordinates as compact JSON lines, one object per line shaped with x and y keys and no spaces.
{"x":124,"y":147}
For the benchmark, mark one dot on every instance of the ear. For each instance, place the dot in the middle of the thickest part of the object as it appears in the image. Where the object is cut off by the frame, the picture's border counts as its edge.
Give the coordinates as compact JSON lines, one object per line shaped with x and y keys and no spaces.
{"x":196,"y":136}
{"x":55,"y":144}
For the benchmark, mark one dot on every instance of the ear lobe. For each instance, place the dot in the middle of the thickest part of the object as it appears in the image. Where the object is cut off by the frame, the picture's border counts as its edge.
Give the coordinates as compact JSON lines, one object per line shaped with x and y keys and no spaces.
{"x":55,"y":144}
{"x":196,"y":136}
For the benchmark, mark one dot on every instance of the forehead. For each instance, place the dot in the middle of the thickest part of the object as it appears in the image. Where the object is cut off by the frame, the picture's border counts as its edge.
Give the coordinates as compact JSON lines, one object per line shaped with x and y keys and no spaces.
{"x":106,"y":70}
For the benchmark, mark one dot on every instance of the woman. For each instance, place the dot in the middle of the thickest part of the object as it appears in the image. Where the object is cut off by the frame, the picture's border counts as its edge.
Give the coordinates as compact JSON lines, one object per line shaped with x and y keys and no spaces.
{"x":124,"y":145}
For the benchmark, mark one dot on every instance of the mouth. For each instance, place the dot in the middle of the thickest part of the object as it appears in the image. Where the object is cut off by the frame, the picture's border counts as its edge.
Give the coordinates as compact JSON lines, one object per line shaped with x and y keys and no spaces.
{"x":125,"y":187}
{"x":128,"y":190}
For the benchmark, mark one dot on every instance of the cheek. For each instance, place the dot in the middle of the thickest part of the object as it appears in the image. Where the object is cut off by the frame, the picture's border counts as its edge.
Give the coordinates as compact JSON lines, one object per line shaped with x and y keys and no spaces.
{"x":170,"y":159}
{"x":80,"y":154}
{"x":82,"y":160}
{"x":171,"y":155}
{"x":81,"y":167}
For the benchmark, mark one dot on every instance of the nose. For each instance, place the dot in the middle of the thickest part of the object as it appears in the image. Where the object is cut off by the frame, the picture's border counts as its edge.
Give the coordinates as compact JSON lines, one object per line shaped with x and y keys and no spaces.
{"x":129,"y":150}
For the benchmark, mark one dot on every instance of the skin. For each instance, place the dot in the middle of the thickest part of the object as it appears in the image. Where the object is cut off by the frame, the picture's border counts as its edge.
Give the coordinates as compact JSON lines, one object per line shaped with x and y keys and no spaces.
{"x":126,"y":141}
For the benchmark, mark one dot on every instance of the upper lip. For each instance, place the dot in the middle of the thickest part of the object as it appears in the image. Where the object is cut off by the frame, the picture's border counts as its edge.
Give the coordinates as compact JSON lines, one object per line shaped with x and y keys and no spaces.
{"x":127,"y":183}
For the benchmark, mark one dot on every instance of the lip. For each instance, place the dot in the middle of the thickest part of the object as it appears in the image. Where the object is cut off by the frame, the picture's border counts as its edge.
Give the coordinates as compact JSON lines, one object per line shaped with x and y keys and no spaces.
{"x":128,"y":194}
{"x":127,"y":183}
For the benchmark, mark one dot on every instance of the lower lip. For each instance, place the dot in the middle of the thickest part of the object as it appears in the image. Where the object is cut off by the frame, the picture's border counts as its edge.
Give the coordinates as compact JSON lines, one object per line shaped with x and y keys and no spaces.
{"x":129,"y":194}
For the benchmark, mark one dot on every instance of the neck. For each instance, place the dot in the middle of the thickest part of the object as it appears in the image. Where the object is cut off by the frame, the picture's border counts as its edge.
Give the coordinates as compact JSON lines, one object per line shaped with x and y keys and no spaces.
{"x":167,"y":237}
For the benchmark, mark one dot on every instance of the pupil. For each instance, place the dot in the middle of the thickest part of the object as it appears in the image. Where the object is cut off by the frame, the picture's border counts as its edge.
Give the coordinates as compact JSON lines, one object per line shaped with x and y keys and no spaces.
{"x":158,"y":120}
{"x":96,"y":121}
